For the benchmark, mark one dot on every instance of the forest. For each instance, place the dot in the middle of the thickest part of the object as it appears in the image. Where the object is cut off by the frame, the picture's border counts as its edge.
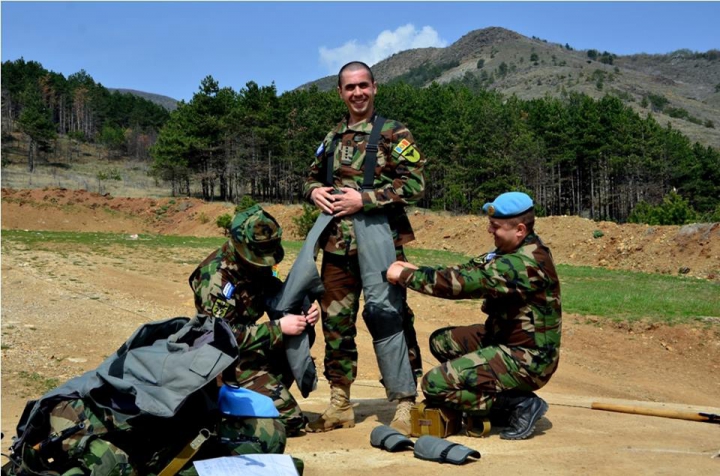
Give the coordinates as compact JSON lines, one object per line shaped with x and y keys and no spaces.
{"x":574,"y":155}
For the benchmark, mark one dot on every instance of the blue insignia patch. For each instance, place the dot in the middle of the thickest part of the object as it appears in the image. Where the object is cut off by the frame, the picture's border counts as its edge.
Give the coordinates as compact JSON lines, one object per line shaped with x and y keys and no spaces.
{"x":490,"y":256}
{"x":320,"y":149}
{"x":228,"y":290}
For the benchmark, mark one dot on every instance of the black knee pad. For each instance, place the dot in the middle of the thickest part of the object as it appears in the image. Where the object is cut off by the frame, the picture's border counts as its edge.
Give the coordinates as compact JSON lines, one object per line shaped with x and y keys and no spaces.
{"x":382,"y":322}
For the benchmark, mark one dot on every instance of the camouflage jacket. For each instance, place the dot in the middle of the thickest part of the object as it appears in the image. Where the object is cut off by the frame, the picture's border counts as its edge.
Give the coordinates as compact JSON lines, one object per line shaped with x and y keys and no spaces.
{"x":226,"y":286}
{"x":399,"y":178}
{"x":521,"y":291}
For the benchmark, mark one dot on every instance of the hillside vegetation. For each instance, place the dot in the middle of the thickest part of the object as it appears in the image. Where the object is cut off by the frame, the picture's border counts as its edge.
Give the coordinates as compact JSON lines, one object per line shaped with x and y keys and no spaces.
{"x":591,"y":150}
{"x":681,"y":88}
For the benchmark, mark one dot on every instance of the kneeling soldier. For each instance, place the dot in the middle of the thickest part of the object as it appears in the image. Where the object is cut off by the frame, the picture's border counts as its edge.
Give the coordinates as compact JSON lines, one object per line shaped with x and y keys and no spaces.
{"x":499,"y":363}
{"x":234,"y":283}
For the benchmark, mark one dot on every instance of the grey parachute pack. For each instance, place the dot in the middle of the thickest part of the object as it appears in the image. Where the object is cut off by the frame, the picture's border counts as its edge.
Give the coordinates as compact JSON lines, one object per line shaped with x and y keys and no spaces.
{"x":138,"y":410}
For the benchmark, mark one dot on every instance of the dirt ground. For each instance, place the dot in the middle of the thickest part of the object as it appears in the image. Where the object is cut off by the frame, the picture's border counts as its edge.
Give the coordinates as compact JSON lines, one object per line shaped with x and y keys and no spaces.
{"x":66,"y":308}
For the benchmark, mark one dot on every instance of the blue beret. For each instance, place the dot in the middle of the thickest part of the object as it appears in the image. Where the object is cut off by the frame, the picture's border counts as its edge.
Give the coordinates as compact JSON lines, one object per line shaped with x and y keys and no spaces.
{"x":508,"y":205}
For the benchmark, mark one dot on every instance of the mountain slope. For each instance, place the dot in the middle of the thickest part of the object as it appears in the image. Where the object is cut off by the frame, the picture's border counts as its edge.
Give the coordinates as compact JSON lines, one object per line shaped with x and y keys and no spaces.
{"x":681,"y":88}
{"x":165,"y":101}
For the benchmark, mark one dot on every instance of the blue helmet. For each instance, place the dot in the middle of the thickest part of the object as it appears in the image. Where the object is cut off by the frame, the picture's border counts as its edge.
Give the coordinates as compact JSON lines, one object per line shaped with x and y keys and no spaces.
{"x":241,"y":402}
{"x":509,"y":205}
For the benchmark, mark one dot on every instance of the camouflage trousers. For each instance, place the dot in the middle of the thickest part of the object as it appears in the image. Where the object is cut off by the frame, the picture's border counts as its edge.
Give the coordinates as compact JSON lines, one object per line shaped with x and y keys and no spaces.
{"x":472,"y":374}
{"x":98,"y":444}
{"x":268,"y":373}
{"x":339,"y":305}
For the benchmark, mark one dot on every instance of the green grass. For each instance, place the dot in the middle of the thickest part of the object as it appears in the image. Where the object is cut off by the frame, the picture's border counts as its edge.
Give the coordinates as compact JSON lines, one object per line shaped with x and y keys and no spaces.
{"x":630,"y":296}
{"x":616,"y":295}
{"x":37,"y":382}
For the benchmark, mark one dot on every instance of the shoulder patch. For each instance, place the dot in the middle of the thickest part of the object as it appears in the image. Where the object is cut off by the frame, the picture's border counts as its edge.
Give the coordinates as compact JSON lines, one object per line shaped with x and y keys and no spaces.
{"x":411,"y":154}
{"x":320,"y":149}
{"x":404,"y":144}
{"x":220,"y":308}
{"x":228,"y":290}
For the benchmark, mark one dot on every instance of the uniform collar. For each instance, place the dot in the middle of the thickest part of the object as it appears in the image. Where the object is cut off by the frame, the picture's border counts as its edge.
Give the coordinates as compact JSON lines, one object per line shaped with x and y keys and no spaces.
{"x":362,"y":126}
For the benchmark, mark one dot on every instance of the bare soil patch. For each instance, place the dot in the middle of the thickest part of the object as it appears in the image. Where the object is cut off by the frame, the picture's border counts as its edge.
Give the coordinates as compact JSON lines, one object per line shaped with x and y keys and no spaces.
{"x":66,"y":308}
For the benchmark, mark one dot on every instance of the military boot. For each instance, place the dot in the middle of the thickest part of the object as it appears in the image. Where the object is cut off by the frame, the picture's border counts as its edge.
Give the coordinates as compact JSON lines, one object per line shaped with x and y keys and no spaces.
{"x":339,"y":414}
{"x":526,"y":408}
{"x":401,"y":420}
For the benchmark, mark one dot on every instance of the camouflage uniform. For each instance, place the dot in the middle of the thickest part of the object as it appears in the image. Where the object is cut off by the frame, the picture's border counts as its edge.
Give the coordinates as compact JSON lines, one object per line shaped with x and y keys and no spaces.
{"x":399,"y":181}
{"x":104,"y":445}
{"x":227,"y":285}
{"x":518,"y":347}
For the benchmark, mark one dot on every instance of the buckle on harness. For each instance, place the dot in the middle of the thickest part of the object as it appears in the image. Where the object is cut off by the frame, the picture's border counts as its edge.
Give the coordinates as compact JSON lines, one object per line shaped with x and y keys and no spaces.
{"x":371,"y":148}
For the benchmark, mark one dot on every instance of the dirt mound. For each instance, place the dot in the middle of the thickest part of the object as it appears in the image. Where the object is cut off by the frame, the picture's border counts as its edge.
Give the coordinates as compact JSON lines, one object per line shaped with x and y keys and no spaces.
{"x":691,"y":249}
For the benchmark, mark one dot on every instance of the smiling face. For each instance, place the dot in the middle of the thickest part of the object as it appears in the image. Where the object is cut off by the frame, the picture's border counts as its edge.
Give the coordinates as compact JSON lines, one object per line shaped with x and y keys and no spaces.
{"x":357,"y":90}
{"x":508,"y":234}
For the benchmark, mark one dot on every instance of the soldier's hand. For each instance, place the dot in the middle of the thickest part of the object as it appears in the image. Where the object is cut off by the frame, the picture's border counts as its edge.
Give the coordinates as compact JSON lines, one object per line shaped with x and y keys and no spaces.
{"x":323,"y":199}
{"x":393,"y":272}
{"x":292,"y":324}
{"x":347,"y":203}
{"x":313,"y":314}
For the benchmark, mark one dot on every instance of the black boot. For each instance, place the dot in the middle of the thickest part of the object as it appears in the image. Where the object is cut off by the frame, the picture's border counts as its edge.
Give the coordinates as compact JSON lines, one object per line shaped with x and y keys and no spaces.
{"x":526,"y":408}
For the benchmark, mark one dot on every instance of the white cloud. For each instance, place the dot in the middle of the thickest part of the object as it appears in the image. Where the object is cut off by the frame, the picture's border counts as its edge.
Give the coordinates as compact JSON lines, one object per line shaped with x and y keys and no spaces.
{"x":388,"y":42}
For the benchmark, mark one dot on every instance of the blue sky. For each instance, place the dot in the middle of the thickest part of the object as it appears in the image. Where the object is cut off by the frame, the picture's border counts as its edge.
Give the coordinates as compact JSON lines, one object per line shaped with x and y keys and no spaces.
{"x":168,"y":47}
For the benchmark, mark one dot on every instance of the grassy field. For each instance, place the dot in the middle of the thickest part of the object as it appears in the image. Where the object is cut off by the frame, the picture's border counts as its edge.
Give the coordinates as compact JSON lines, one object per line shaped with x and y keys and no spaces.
{"x":615,"y":295}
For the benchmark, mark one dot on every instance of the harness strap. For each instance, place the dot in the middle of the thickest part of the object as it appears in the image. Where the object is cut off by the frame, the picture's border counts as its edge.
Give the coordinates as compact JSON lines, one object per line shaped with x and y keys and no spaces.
{"x":371,"y":150}
{"x":330,"y":161}
{"x":186,"y":454}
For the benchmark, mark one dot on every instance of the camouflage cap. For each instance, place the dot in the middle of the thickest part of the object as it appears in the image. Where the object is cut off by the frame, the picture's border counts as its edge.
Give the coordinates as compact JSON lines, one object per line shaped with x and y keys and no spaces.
{"x":256,"y":236}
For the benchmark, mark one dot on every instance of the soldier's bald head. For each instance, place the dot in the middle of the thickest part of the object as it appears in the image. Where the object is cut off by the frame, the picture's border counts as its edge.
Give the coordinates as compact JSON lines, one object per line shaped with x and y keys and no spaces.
{"x":355,"y":66}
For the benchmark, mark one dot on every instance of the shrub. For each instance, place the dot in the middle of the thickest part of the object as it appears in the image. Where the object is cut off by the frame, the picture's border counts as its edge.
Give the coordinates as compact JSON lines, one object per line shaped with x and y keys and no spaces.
{"x":203,"y":218}
{"x":658,"y":102}
{"x":224,"y":221}
{"x":674,"y":210}
{"x":598,"y":234}
{"x":305,"y":222}
{"x":480,"y":63}
{"x":245,"y":202}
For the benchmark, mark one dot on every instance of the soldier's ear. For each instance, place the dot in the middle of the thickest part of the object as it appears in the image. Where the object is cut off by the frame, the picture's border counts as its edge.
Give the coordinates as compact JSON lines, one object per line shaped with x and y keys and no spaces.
{"x":522,"y":228}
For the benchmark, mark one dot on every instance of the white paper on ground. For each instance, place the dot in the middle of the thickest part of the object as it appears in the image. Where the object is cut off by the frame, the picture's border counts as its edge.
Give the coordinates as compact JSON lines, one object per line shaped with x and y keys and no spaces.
{"x":247,"y":465}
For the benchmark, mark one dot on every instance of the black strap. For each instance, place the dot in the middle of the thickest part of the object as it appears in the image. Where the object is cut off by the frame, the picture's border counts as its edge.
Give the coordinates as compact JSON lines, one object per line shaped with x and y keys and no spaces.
{"x":382,"y":442}
{"x":330,"y":161}
{"x":371,"y":150}
{"x":444,"y":453}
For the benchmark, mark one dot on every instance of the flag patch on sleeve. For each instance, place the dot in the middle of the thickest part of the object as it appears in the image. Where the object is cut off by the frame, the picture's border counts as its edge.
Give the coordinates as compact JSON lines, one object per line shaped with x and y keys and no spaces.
{"x":402,"y":146}
{"x":228,"y":290}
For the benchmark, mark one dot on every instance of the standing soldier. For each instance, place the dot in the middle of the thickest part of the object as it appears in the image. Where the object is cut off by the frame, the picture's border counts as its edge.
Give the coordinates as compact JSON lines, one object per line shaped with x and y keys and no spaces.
{"x":516,"y":351}
{"x":234,"y":283}
{"x":342,"y":183}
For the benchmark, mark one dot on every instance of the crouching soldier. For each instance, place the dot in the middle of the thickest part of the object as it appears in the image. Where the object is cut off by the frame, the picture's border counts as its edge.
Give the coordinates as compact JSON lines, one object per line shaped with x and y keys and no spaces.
{"x":236,"y":283}
{"x":497,"y":364}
